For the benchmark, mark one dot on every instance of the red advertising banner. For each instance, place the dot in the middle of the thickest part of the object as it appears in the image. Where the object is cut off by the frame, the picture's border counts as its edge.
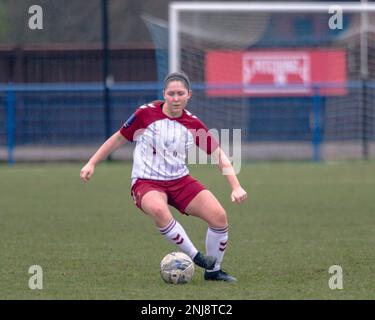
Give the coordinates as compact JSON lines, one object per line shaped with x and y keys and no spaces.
{"x":276,"y":72}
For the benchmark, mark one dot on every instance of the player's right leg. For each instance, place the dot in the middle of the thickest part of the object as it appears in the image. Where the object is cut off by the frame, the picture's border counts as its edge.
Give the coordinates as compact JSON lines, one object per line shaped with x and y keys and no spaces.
{"x":155,"y":204}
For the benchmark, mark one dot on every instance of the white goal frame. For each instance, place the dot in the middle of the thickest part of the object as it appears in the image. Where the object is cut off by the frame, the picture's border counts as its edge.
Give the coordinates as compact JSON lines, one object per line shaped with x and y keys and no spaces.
{"x":175,"y":8}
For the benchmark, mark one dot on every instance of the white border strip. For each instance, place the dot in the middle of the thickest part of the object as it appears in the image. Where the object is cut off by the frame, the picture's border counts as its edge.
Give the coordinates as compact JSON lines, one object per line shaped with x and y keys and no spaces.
{"x":271,"y":6}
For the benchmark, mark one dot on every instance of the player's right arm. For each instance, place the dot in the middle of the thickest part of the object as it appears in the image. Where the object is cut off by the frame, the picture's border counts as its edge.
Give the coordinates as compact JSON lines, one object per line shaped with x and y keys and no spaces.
{"x":112,"y":144}
{"x":128,"y":132}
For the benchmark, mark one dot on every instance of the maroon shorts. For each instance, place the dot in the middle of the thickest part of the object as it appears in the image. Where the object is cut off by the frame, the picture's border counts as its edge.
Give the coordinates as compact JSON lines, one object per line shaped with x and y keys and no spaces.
{"x":179,"y":191}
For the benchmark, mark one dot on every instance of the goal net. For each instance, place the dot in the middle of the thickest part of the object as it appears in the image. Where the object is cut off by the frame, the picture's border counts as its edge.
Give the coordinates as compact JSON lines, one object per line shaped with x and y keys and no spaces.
{"x":280,"y":72}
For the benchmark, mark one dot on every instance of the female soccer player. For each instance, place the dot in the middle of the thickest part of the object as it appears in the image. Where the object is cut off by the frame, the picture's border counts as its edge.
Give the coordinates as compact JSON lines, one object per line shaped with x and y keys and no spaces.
{"x":163,"y":131}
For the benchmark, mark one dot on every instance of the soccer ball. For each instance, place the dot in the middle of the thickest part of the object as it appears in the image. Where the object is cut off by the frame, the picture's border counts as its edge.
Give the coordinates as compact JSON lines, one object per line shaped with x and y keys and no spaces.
{"x":176,"y":268}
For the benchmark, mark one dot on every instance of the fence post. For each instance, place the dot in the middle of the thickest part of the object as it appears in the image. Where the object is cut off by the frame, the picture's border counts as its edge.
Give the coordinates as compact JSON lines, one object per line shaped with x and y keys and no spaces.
{"x":316,"y":125}
{"x":364,"y":121}
{"x":10,"y":107}
{"x":106,"y":71}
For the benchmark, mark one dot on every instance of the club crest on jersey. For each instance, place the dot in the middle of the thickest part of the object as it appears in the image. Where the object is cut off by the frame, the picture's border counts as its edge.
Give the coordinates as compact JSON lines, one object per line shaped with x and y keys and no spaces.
{"x":129,"y":121}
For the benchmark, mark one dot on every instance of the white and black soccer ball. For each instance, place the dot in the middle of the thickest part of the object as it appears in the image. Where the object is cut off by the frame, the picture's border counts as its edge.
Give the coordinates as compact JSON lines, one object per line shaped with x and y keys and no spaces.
{"x":177,"y":268}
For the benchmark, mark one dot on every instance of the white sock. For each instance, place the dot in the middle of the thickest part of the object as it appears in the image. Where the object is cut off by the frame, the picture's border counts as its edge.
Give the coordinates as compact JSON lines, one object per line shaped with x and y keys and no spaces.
{"x":216,"y":243}
{"x":176,"y":234}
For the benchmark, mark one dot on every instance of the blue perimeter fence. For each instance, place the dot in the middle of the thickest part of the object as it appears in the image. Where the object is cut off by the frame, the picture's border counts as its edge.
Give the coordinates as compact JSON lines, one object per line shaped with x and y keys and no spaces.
{"x":73,"y":114}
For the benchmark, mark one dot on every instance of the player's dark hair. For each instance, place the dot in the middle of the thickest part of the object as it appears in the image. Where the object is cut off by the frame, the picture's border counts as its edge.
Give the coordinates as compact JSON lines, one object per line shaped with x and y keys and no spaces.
{"x":177,"y":76}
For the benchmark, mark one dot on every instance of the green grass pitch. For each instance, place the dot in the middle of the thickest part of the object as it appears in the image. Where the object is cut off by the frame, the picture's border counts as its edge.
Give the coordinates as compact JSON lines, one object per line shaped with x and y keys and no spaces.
{"x":93,"y":243}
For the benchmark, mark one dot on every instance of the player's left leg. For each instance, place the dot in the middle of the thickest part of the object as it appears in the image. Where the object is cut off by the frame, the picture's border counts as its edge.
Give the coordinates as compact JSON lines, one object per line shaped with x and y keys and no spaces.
{"x":205,"y":206}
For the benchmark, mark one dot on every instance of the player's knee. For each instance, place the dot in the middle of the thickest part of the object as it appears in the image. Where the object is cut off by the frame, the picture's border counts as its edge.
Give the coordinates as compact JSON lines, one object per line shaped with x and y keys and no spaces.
{"x":158,"y":211}
{"x":220,"y":218}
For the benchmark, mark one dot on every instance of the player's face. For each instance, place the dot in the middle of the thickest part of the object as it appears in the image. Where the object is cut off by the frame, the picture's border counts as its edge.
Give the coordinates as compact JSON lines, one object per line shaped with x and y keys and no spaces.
{"x":176,"y":96}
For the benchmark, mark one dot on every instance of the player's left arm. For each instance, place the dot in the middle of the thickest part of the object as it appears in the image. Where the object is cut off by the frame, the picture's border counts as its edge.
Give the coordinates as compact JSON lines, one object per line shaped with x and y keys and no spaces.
{"x":238,"y":194}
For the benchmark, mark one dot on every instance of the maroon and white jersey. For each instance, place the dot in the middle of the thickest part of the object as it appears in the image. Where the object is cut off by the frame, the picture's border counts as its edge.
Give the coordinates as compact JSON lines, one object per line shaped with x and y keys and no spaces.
{"x":162,"y":142}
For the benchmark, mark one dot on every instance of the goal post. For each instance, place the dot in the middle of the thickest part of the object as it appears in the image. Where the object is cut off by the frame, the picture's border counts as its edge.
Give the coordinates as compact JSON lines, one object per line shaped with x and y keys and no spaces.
{"x":175,"y":8}
{"x":279,"y":70}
